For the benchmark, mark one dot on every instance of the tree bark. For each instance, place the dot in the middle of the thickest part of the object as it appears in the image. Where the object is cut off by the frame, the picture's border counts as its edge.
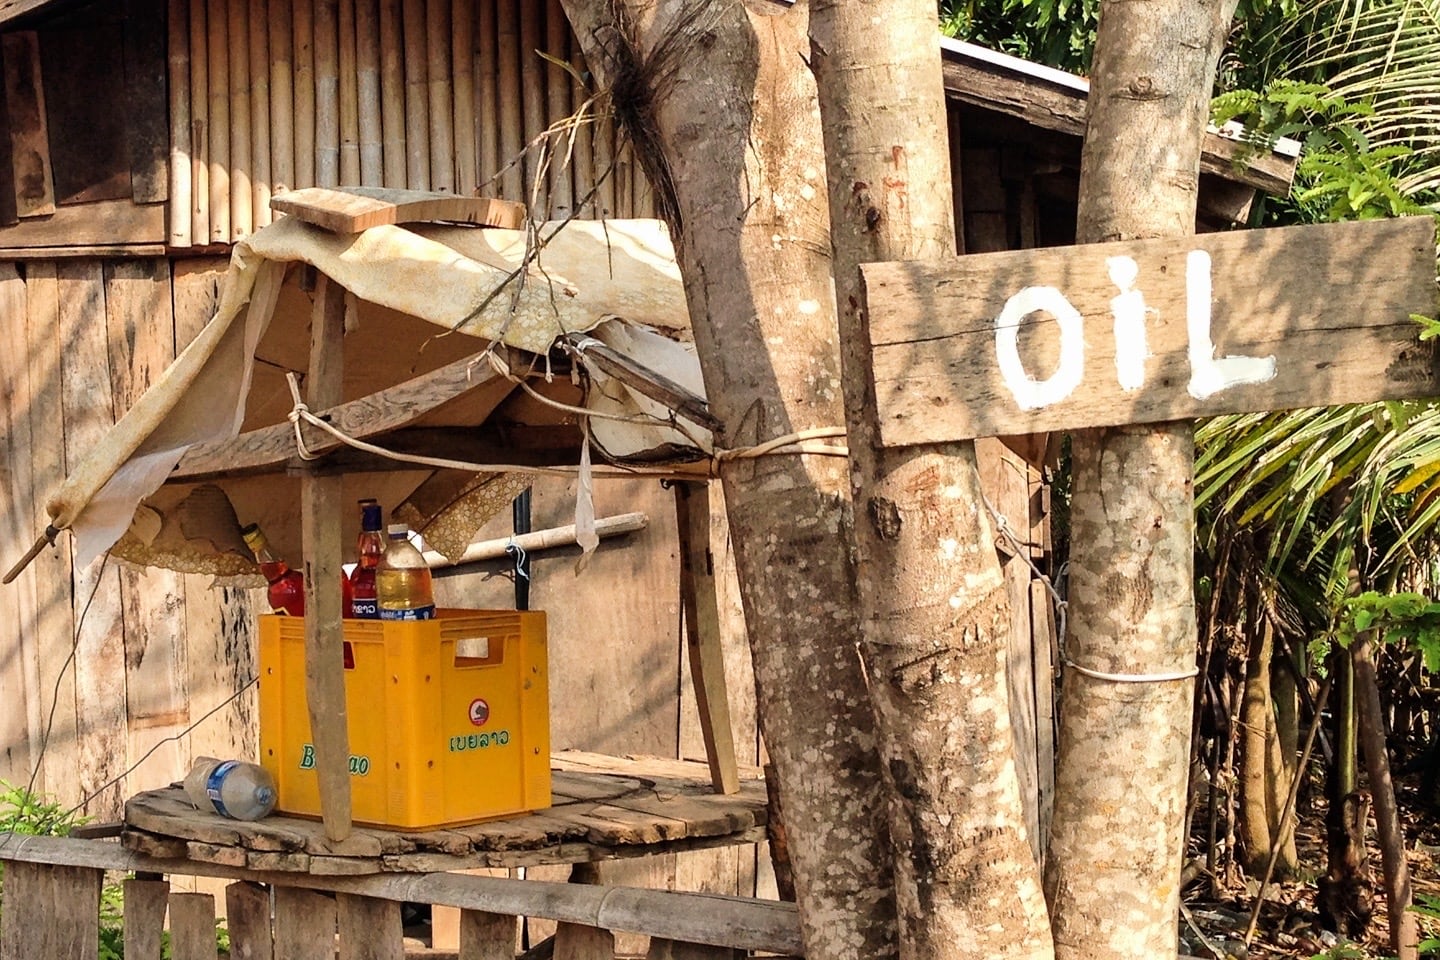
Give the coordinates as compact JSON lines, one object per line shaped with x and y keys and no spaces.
{"x":725,"y":122}
{"x":1255,"y":726}
{"x":1114,"y":890}
{"x":932,"y":596}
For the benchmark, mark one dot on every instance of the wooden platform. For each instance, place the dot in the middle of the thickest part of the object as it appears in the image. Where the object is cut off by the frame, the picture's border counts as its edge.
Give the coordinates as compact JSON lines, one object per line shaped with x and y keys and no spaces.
{"x":604,"y":808}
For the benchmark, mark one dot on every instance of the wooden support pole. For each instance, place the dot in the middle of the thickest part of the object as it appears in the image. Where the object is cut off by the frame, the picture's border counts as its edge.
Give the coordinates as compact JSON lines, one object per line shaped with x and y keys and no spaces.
{"x":260,"y":175}
{"x":320,"y":522}
{"x":282,"y":97}
{"x":349,"y":94}
{"x":417,"y":96}
{"x":487,"y":106}
{"x":327,"y":93}
{"x":305,"y":924}
{"x":557,"y":96}
{"x":179,"y":215}
{"x":486,"y":936}
{"x":392,"y":94}
{"x":192,"y":926}
{"x":50,"y":911}
{"x":370,"y":928}
{"x":247,"y":916}
{"x":702,"y":633}
{"x":144,"y":916}
{"x":303,"y":37}
{"x":532,"y":92}
{"x":217,"y":20}
{"x":507,"y":89}
{"x":372,"y":137}
{"x":242,"y":220}
{"x":441,"y":102}
{"x":462,"y":61}
{"x":199,"y":123}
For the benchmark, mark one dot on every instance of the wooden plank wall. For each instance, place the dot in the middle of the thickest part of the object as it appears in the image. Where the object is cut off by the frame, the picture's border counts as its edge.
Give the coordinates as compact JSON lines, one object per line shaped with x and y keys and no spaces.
{"x":424,"y":95}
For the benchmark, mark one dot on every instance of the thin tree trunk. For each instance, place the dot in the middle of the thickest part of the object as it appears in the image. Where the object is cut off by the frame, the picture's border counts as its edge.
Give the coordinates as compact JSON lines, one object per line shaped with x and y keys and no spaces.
{"x":724,"y":118}
{"x":1255,"y":727}
{"x":1114,"y":885}
{"x":935,"y":620}
{"x":1284,"y":757}
{"x":1404,"y":931}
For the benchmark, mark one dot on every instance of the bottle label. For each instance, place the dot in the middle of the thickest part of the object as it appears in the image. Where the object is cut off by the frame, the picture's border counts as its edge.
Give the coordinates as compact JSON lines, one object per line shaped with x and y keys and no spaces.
{"x":364,"y":608}
{"x":215,"y":781}
{"x":415,"y":613}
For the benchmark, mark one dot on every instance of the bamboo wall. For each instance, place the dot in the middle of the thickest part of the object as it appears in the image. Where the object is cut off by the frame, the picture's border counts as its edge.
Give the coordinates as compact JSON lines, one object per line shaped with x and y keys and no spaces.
{"x":439,"y":95}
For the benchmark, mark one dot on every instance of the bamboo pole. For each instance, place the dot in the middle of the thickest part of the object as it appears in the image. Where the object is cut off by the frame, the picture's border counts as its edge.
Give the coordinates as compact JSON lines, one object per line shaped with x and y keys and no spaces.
{"x":180,"y":214}
{"x":199,"y":124}
{"x":304,"y":46}
{"x":392,"y":94}
{"x":327,"y":93}
{"x":242,"y":220}
{"x":507,"y":93}
{"x":349,"y":96}
{"x":605,"y":168}
{"x":584,"y":135}
{"x":642,"y":196}
{"x":487,"y":107}
{"x":624,"y":182}
{"x":463,"y":66}
{"x":557,"y":95}
{"x":367,"y":84}
{"x":260,"y":114}
{"x":282,"y":97}
{"x":417,"y":97}
{"x":217,"y":19}
{"x":442,"y":107}
{"x":532,"y":91}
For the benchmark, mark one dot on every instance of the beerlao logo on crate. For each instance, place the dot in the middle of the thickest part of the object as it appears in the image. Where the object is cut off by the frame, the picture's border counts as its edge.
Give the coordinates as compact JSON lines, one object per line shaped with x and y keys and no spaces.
{"x":479,"y":712}
{"x":359,"y":766}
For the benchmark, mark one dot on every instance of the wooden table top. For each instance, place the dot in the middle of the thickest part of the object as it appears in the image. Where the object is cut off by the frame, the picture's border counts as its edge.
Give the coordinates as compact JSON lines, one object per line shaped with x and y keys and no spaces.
{"x":603,"y":808}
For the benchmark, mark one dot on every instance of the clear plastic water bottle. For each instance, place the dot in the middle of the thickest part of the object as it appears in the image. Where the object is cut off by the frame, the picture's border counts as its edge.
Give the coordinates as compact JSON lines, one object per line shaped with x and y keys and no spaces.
{"x":231,"y":788}
{"x":403,"y":589}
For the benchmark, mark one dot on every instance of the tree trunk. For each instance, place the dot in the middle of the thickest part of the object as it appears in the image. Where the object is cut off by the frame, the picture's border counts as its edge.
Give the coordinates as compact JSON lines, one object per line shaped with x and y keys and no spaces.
{"x":1114,"y":879}
{"x":724,"y":118}
{"x":932,"y":595}
{"x":1345,"y":899}
{"x":1256,"y":727}
{"x":1284,"y":752}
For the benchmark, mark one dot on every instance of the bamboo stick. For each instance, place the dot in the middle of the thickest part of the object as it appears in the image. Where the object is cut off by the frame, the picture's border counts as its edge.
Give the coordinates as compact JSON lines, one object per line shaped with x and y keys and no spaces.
{"x":624,"y":183}
{"x":199,"y":124}
{"x":532,"y":79}
{"x":557,"y":95}
{"x":282,"y":97}
{"x":367,"y":84}
{"x":417,"y":97}
{"x":327,"y":93}
{"x":641,"y":193}
{"x":487,"y":109}
{"x":507,"y":94}
{"x":242,"y":221}
{"x":442,"y":106}
{"x":463,"y":67}
{"x":260,"y":114}
{"x":349,"y":96}
{"x":584,"y":135}
{"x":304,"y":47}
{"x":180,"y":214}
{"x":605,"y":167}
{"x":537,"y":540}
{"x":217,"y":18}
{"x":392,"y":94}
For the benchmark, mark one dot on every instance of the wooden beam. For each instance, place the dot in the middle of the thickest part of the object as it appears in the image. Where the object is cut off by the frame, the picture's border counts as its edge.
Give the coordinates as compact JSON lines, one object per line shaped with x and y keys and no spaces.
{"x":320,"y":506}
{"x":702,"y":633}
{"x":104,"y":223}
{"x":359,"y":208}
{"x":87,"y":251}
{"x":656,"y":386}
{"x":1323,"y":311}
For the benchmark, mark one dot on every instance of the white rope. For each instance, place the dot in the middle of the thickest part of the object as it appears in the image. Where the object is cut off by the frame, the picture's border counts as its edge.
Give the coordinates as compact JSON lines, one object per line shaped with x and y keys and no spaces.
{"x":1062,"y":606}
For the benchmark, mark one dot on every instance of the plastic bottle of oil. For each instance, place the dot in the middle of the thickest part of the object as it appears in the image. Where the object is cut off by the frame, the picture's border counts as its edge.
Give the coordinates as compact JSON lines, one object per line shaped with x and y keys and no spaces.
{"x":403,"y":589}
{"x":369,"y":548}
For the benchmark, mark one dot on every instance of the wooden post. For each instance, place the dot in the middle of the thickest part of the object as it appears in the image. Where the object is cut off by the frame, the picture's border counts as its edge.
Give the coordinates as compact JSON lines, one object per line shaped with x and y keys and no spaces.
{"x":349,"y":94}
{"x":304,"y":922}
{"x":574,"y":941}
{"x":417,"y":97}
{"x":282,"y":97}
{"x":702,"y":633}
{"x":327,"y":93}
{"x":507,"y":92}
{"x":486,"y":936}
{"x":488,"y":107}
{"x":557,"y":95}
{"x":260,"y":176}
{"x":303,"y":37}
{"x":370,"y":928}
{"x":463,"y":66}
{"x":372,"y":137}
{"x":217,"y":18}
{"x":180,"y":155}
{"x":242,"y":222}
{"x":247,"y":916}
{"x":144,"y":917}
{"x":392,"y":94}
{"x":441,"y":103}
{"x":192,"y":926}
{"x":320,"y":522}
{"x":199,"y":123}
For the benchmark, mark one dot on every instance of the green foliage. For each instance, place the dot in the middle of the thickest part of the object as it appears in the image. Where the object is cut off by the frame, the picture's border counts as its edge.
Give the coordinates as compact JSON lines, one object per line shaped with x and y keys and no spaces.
{"x":1344,"y":950}
{"x":1058,"y":33}
{"x":1408,"y":619}
{"x":1428,"y":907}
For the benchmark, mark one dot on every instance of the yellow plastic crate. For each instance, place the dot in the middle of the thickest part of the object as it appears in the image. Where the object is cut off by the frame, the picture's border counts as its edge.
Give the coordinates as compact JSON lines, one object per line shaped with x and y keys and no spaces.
{"x":449,"y":718}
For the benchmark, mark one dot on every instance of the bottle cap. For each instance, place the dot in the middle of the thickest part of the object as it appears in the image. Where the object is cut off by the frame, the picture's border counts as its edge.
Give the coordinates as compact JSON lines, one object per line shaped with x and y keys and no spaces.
{"x":398,"y":530}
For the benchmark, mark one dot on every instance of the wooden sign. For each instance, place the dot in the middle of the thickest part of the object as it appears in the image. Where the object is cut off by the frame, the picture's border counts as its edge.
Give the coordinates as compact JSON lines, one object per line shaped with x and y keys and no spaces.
{"x":1138,"y":332}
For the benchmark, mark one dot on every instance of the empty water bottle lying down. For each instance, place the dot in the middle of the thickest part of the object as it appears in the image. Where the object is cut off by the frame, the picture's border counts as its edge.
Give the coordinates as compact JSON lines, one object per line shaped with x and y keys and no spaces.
{"x":231,"y":788}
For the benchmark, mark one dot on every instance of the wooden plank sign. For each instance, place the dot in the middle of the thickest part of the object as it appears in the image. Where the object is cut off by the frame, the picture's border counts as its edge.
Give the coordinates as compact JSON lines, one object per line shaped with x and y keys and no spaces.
{"x":1147,"y":331}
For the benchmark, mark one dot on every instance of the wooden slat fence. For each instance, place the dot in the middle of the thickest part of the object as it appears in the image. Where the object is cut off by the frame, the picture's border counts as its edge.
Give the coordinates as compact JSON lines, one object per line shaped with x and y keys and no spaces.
{"x":49,"y":910}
